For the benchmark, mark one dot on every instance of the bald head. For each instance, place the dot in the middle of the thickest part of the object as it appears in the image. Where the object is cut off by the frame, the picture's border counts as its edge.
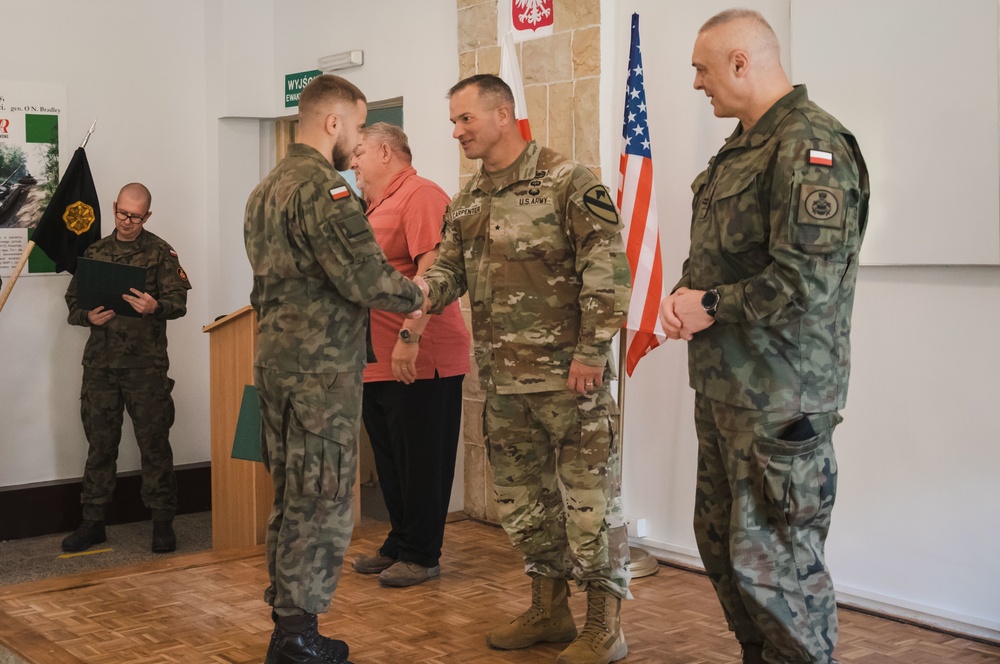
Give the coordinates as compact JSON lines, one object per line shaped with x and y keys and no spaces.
{"x":137,"y":192}
{"x":737,"y":59}
{"x":744,"y":30}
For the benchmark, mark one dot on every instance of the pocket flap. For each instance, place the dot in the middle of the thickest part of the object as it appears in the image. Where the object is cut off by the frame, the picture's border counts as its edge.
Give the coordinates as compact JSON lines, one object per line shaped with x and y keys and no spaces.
{"x":324,"y":422}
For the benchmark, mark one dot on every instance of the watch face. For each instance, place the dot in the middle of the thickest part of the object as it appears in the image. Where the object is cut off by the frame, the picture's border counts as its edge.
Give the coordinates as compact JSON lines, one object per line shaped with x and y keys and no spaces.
{"x":710,"y":300}
{"x":404,"y":335}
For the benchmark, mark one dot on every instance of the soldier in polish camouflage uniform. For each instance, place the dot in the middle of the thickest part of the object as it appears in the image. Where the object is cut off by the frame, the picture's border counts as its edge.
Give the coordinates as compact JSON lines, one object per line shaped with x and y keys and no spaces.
{"x":317,"y":269}
{"x":765,"y":302}
{"x":125,"y":366}
{"x":535,"y":240}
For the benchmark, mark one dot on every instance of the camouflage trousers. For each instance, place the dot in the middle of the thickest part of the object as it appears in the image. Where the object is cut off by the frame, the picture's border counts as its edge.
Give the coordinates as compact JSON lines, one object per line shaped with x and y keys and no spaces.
{"x":145,"y":393}
{"x":762,"y":513}
{"x":557,"y":474}
{"x":309,"y":443}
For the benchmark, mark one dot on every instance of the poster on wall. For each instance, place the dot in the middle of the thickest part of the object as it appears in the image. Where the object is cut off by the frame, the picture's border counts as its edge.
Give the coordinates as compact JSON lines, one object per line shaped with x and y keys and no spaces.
{"x":531,"y":18}
{"x":31,"y":117}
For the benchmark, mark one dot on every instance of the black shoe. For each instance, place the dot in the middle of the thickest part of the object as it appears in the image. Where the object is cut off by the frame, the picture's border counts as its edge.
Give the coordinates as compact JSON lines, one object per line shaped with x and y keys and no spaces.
{"x":305,"y":645}
{"x":87,"y":535}
{"x":164,"y":539}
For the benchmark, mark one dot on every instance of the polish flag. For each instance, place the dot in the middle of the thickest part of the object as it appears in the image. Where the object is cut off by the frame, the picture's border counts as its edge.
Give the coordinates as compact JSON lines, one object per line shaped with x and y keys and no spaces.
{"x":821,"y":157}
{"x":510,"y":72}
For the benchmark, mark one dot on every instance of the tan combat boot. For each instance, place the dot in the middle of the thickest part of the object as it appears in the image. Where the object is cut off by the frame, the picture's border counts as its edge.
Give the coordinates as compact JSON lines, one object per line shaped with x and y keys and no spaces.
{"x":547,"y":620}
{"x":601,"y":640}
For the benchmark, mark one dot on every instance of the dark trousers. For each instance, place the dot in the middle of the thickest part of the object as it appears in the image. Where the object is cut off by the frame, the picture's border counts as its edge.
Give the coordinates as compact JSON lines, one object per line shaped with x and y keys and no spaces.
{"x":414,"y":433}
{"x":145,"y":393}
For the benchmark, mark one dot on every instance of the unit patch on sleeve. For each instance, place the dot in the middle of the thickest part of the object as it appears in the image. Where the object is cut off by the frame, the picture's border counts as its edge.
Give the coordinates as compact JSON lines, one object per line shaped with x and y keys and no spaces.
{"x":339,"y":192}
{"x":821,"y":206}
{"x":598,"y":202}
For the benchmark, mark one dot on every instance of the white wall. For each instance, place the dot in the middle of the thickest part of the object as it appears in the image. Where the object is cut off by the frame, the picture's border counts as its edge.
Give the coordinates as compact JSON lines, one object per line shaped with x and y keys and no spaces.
{"x":915,"y":530}
{"x":138,"y":65}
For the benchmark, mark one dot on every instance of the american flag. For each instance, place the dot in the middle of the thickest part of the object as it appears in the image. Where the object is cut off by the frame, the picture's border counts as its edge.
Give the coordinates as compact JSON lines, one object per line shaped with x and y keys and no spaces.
{"x":637,"y":202}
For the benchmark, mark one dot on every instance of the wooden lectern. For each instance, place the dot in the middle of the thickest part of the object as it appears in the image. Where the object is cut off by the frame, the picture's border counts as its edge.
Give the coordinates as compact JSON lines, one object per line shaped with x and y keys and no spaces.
{"x":242,"y":492}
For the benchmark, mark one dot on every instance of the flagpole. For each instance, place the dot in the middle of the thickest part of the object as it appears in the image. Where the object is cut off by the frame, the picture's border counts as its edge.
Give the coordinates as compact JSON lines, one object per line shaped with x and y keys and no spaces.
{"x":17,"y":272}
{"x":9,"y":286}
{"x":87,"y":137}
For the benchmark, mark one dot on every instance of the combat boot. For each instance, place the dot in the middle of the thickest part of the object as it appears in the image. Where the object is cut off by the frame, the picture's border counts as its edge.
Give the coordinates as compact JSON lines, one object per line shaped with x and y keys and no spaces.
{"x":296,"y":640}
{"x":547,"y":620}
{"x":164,"y":539}
{"x":601,"y":640}
{"x":753,"y":653}
{"x":87,"y":535}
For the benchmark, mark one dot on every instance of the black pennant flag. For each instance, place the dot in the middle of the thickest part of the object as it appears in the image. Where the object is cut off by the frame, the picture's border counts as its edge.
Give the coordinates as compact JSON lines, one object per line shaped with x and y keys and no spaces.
{"x":72,"y":220}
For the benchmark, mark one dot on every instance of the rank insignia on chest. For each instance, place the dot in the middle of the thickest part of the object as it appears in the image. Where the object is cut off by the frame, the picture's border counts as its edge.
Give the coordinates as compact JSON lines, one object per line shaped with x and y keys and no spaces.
{"x":820,"y":158}
{"x":338,"y":193}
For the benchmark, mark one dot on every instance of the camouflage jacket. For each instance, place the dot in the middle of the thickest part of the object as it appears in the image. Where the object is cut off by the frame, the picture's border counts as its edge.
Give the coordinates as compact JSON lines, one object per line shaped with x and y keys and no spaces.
{"x":316,"y":268}
{"x":125,"y":342}
{"x":778,"y":220}
{"x":541,"y":256}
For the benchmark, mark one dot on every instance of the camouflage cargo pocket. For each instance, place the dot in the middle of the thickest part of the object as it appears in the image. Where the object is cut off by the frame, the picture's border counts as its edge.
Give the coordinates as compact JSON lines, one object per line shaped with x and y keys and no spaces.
{"x":795,"y":482}
{"x":736,"y":208}
{"x":323,"y":464}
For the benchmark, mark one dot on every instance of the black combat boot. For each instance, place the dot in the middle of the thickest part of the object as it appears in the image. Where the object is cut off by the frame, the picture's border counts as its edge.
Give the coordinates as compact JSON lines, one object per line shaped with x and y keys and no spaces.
{"x":164,"y":539}
{"x":87,"y":535}
{"x":296,"y":641}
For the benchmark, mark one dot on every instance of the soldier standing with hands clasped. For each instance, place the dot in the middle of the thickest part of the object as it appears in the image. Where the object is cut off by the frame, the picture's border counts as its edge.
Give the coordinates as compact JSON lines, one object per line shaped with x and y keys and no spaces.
{"x":765,"y":302}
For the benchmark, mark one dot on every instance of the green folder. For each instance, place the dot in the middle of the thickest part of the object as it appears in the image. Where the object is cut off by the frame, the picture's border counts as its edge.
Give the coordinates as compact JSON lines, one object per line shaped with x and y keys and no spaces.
{"x":246,"y":442}
{"x":102,"y":283}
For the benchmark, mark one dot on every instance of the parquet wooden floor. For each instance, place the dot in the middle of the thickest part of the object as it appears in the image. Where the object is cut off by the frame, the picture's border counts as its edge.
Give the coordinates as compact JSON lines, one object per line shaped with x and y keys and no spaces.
{"x":207,"y":608}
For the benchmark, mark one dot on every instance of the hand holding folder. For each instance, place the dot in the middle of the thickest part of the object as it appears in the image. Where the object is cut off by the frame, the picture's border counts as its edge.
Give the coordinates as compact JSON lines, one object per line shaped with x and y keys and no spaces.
{"x":102,"y":284}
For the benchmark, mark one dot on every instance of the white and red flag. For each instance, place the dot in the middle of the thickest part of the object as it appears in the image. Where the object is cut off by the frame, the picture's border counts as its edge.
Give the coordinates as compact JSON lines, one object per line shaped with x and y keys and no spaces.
{"x":510,"y":72}
{"x":531,"y":18}
{"x":637,"y":202}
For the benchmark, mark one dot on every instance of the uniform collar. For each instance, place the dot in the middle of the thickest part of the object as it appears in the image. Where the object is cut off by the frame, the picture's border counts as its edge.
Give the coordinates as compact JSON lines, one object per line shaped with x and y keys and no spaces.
{"x":762,"y":131}
{"x":524,"y":168}
{"x":138,"y":244}
{"x":303,"y":150}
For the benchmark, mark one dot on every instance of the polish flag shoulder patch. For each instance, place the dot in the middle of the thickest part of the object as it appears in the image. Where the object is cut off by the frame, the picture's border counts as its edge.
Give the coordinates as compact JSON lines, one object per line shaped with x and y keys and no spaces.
{"x":820,"y":158}
{"x":338,"y":193}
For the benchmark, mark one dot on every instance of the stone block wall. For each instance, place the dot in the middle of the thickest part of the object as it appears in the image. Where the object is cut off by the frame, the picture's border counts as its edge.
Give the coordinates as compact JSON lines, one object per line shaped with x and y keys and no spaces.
{"x":561,"y":75}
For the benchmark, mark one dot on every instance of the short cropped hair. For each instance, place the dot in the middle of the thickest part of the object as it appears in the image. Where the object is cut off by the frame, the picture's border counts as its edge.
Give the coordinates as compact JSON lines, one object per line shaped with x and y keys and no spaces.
{"x":388,"y":133}
{"x":139,"y":190}
{"x":491,"y":88}
{"x":763,"y":29}
{"x":328,"y":89}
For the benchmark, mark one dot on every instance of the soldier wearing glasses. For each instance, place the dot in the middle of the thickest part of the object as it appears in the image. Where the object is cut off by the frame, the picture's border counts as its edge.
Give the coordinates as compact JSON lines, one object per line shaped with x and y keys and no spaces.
{"x":125,"y":366}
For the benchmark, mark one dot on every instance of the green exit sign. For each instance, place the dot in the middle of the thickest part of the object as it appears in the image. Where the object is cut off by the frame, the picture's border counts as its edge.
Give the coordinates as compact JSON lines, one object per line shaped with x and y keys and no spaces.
{"x":295,"y":84}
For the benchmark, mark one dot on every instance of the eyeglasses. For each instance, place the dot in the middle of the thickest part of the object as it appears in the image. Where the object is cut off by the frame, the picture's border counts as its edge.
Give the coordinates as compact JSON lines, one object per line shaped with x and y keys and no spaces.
{"x":131,"y":218}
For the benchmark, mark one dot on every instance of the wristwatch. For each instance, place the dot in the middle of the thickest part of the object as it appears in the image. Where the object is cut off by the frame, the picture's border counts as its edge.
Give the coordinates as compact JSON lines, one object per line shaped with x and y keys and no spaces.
{"x":408,"y":337}
{"x":710,"y":302}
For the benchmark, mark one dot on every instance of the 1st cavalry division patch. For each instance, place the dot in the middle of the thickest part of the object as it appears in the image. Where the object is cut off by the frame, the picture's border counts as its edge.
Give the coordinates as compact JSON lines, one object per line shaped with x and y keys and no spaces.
{"x":598,"y":202}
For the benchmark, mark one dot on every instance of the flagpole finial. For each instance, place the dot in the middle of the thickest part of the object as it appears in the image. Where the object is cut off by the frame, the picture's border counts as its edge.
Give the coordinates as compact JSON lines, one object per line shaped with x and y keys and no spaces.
{"x":87,"y":137}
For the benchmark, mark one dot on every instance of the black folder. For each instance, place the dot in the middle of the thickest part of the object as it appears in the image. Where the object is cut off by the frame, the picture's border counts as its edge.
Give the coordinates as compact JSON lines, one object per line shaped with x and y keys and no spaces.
{"x":102,"y":283}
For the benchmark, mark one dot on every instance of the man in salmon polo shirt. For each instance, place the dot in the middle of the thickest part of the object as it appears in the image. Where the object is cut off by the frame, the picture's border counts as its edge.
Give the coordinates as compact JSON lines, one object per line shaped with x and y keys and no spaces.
{"x":412,"y":407}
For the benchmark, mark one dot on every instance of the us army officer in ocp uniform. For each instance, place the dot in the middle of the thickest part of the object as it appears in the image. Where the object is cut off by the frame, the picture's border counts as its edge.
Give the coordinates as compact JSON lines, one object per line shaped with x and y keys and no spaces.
{"x":535,"y":240}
